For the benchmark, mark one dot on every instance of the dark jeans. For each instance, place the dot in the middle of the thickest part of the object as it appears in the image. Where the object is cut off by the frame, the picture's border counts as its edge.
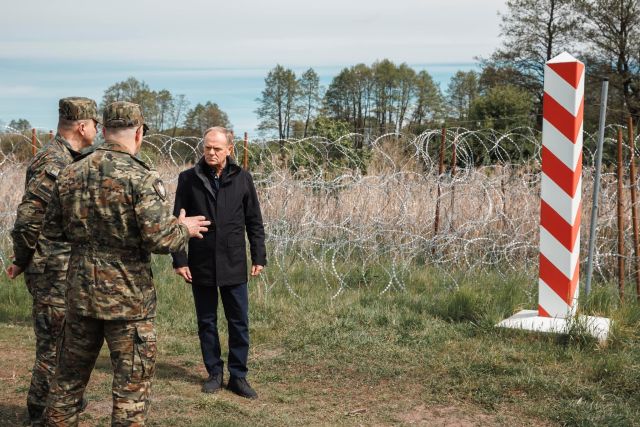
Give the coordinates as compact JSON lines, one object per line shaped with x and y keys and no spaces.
{"x":235,"y":301}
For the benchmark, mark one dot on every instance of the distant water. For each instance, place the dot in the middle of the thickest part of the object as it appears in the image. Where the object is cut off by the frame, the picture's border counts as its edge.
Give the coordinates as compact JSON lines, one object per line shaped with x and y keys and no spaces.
{"x":30,"y":89}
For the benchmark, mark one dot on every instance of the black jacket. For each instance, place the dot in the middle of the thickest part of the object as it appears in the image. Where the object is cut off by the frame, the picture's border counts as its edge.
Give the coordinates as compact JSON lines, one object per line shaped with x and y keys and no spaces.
{"x":220,"y":258}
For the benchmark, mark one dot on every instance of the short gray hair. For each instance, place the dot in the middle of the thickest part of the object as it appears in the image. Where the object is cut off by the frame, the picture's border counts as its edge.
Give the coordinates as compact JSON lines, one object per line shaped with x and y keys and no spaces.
{"x":219,"y":129}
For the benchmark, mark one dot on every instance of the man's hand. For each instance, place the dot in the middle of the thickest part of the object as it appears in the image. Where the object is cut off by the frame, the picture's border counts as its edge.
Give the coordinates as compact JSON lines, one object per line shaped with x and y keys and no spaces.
{"x":196,"y":224}
{"x":13,"y":271}
{"x":256,"y":270}
{"x":184,"y":272}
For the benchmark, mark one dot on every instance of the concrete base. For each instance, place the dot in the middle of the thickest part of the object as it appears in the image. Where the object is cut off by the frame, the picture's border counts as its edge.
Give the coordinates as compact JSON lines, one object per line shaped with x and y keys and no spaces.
{"x":529,"y":320}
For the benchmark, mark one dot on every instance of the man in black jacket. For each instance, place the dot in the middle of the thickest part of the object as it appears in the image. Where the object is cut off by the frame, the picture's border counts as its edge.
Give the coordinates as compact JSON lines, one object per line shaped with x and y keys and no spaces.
{"x":223,"y":192}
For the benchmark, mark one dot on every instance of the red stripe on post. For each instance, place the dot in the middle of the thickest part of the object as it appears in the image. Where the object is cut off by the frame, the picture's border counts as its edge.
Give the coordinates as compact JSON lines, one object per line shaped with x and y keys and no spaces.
{"x":564,"y":287}
{"x":559,"y":227}
{"x":560,"y":173}
{"x":569,"y":71}
{"x":561,"y":119}
{"x":542,"y":312}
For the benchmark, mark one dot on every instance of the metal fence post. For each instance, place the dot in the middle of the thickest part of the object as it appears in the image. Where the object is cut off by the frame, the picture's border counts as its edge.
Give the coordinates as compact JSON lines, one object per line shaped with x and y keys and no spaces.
{"x":596,"y":183}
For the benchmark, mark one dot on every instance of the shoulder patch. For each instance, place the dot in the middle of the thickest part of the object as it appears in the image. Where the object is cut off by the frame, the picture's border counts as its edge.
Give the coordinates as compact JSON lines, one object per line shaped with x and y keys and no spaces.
{"x":159,"y":187}
{"x":53,"y":172}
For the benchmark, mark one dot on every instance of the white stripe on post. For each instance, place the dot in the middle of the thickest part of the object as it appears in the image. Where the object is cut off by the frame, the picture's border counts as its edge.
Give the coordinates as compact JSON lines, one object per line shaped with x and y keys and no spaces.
{"x":562,"y":136}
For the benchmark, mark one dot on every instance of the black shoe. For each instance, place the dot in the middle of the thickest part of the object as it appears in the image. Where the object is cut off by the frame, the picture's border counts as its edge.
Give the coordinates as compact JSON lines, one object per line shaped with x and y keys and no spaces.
{"x":213,"y":383}
{"x":241,"y":387}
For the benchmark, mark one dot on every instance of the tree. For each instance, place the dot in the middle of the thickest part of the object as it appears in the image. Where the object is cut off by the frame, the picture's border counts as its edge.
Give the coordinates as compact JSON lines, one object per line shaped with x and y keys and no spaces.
{"x":310,"y":98}
{"x":126,"y":90}
{"x":164,"y":107}
{"x":349,"y":96}
{"x":613,"y":36}
{"x":461,"y":92}
{"x":533,"y":32}
{"x":385,"y":80}
{"x":202,"y":117}
{"x":330,"y":129}
{"x":502,"y":108}
{"x":180,"y":105}
{"x":133,"y":90}
{"x":20,"y":125}
{"x":429,"y":102}
{"x":277,"y":101}
{"x":406,"y":80}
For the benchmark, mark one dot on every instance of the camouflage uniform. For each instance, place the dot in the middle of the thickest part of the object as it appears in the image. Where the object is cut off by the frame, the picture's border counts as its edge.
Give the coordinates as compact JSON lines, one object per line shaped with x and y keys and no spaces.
{"x":112,"y":207}
{"x":45,"y":262}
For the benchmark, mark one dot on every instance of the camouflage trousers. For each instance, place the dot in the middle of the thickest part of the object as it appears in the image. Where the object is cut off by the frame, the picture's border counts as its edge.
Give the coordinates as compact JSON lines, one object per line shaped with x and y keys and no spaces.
{"x":132,"y":345}
{"x":48,"y":321}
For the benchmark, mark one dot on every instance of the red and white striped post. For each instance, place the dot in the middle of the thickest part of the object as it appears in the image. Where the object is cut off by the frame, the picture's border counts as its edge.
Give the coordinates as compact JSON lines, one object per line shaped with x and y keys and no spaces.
{"x":561,"y":193}
{"x":561,"y":183}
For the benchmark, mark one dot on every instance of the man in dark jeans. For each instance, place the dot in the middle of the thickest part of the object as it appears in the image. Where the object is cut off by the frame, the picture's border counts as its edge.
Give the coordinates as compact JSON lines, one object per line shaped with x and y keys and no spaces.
{"x":223,"y":192}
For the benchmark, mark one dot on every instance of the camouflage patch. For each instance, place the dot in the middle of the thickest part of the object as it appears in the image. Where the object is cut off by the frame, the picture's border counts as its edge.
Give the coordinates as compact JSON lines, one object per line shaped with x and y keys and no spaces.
{"x":32,"y":251}
{"x":53,"y":172}
{"x":159,"y":187}
{"x":122,"y":114}
{"x":42,"y":189}
{"x":109,"y":206}
{"x":78,"y":108}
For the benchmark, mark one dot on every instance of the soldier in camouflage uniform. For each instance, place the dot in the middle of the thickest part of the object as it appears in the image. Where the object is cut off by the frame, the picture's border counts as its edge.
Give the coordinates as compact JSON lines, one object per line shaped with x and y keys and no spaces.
{"x":112,"y":208}
{"x":43,"y":261}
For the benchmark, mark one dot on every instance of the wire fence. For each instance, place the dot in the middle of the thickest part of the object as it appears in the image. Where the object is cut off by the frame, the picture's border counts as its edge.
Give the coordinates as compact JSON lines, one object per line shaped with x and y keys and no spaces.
{"x":362,"y":211}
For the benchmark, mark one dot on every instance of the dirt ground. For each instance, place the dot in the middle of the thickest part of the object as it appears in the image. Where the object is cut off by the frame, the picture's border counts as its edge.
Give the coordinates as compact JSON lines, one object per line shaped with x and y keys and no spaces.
{"x":290,"y":397}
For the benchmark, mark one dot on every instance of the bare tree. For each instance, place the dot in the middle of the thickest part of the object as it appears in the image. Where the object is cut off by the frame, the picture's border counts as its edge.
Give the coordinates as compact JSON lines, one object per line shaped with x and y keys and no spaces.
{"x":180,"y":105}
{"x":534,"y":31}
{"x":309,"y":93}
{"x":277,"y":101}
{"x":613,"y":37}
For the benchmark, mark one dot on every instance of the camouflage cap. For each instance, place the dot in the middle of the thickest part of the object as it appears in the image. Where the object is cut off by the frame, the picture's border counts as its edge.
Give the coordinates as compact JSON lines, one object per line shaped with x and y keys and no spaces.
{"x":78,"y":108}
{"x":123,"y":114}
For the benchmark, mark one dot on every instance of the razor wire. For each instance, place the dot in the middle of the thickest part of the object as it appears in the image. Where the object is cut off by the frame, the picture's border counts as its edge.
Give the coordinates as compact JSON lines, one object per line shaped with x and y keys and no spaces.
{"x":361,"y":211}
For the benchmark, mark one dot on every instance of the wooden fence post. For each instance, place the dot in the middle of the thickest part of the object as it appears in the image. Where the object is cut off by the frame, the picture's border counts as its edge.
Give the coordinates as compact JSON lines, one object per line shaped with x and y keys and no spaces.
{"x":33,"y":141}
{"x":453,"y":177}
{"x":634,"y":209}
{"x":245,"y":158}
{"x":436,"y":222}
{"x":620,"y":219}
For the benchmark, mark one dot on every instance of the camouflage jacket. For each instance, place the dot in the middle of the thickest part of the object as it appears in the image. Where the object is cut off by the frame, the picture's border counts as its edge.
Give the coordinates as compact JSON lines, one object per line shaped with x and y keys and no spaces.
{"x":32,"y":251}
{"x":112,"y":208}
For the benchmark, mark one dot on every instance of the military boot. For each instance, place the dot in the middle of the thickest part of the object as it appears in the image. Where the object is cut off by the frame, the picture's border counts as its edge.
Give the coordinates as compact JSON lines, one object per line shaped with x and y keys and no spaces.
{"x":36,"y":413}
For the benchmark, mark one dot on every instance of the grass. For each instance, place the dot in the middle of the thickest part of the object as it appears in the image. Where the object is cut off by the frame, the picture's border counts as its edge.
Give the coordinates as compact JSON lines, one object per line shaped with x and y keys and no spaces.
{"x":429,"y":354}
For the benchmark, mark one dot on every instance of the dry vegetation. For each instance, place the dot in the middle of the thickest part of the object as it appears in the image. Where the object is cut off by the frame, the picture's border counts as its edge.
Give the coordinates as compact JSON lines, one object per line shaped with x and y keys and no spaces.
{"x":364,"y":316}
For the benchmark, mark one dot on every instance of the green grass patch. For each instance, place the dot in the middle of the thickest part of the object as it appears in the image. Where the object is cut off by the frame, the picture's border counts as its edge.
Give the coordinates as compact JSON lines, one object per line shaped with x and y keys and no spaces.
{"x":432,"y":343}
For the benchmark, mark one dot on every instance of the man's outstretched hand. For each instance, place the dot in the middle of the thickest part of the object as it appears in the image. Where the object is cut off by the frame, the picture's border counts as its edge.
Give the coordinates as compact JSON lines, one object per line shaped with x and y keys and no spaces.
{"x":13,"y":271}
{"x":184,"y":272}
{"x":196,"y":224}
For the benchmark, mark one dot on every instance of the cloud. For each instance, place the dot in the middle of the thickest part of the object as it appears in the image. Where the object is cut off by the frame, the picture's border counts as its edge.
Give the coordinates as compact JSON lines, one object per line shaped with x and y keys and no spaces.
{"x":251,"y":33}
{"x":13,"y":91}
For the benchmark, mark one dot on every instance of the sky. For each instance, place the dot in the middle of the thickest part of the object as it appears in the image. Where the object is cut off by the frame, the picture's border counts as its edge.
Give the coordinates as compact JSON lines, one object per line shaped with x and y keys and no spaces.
{"x":221,"y":51}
